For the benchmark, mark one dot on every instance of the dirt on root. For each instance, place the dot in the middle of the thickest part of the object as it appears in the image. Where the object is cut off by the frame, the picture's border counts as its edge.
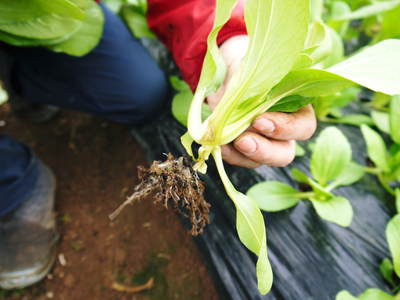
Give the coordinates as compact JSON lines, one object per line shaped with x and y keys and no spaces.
{"x":144,"y":254}
{"x":174,"y":184}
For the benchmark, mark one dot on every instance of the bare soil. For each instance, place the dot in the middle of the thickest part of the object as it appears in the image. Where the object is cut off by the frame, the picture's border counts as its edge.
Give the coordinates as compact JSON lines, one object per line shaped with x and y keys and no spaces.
{"x":144,"y":254}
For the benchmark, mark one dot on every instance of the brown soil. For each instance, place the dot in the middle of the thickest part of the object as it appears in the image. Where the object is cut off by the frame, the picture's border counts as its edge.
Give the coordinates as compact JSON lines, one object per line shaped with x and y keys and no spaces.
{"x":145,"y":248}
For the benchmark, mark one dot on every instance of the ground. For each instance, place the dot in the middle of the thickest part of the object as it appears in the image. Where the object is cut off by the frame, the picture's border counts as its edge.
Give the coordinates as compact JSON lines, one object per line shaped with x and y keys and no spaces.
{"x":95,"y":164}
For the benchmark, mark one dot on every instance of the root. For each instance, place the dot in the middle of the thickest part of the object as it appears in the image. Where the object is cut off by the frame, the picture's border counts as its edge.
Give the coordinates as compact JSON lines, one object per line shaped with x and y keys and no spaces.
{"x":174,"y":184}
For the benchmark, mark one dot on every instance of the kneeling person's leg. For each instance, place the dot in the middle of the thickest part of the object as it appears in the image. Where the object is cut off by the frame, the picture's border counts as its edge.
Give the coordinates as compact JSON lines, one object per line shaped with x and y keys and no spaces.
{"x":118,"y":80}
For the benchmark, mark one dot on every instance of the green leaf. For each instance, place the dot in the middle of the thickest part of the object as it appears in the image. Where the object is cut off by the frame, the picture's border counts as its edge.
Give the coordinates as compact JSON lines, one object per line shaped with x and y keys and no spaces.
{"x":250,"y":226}
{"x":88,"y":35}
{"x":300,"y":151}
{"x":380,"y":100}
{"x":337,"y":210}
{"x":273,"y":195}
{"x":318,"y":46}
{"x":397,"y":193}
{"x":389,"y":25}
{"x":351,"y":174}
{"x":354,"y":119}
{"x":213,"y":70}
{"x":345,"y":295}
{"x":299,"y":176}
{"x":370,"y":10}
{"x":40,"y":19}
{"x":394,"y":119}
{"x":381,"y":120}
{"x":291,"y":103}
{"x":387,"y":271}
{"x":376,"y":148}
{"x":182,"y":101}
{"x":331,"y":155}
{"x":273,"y":49}
{"x":376,"y":67}
{"x":370,"y":294}
{"x":136,"y":21}
{"x":393,"y":239}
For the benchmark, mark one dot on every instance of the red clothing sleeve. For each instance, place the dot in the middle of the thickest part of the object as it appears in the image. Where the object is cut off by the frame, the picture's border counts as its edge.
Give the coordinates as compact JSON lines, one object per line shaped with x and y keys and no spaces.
{"x":183,"y":26}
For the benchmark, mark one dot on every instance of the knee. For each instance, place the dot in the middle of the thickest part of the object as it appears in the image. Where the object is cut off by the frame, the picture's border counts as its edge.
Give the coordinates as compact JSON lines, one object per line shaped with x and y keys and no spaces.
{"x":138,"y":103}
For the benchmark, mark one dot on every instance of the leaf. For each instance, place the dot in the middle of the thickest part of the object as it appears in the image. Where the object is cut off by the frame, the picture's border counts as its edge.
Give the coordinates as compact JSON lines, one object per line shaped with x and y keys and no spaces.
{"x":291,"y":103}
{"x":182,"y":101}
{"x":386,"y":269}
{"x":273,"y":195}
{"x":381,"y":120}
{"x":376,"y":148}
{"x":39,"y":19}
{"x":88,"y":35}
{"x":300,"y":151}
{"x":250,"y":226}
{"x":331,"y":155}
{"x":376,"y":67}
{"x":273,"y":48}
{"x":136,"y":21}
{"x":354,"y":119}
{"x":393,"y":239}
{"x":345,"y":295}
{"x":299,"y":176}
{"x":394,"y":119}
{"x":389,"y":25}
{"x":351,"y":174}
{"x":337,"y":210}
{"x":397,"y":193}
{"x":370,"y":10}
{"x":213,"y":70}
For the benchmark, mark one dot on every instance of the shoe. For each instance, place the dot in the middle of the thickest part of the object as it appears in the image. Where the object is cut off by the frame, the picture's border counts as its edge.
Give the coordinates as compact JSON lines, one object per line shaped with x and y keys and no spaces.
{"x":28,"y":236}
{"x":35,"y":113}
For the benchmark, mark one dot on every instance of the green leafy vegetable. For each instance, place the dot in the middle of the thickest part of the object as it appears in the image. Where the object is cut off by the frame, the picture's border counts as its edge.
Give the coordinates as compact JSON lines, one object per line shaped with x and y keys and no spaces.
{"x":135,"y":18}
{"x":393,"y":238}
{"x":337,"y":210}
{"x":381,"y":120}
{"x":88,"y":35}
{"x":370,"y":294}
{"x":394,"y":119}
{"x":376,"y":148}
{"x":277,"y":70}
{"x":40,"y":19}
{"x":387,"y":271}
{"x":331,"y":155}
{"x":274,"y":195}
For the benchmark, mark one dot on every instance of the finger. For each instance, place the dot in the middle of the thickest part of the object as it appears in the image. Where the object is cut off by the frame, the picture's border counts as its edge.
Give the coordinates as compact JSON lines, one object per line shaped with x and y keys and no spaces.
{"x":300,"y":125}
{"x":234,"y":157}
{"x":265,"y":151}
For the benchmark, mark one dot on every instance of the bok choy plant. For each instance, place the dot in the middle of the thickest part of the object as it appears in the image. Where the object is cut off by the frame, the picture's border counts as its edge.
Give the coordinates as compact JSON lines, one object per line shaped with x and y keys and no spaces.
{"x":331,"y":167}
{"x":277,"y":66}
{"x":386,"y":161}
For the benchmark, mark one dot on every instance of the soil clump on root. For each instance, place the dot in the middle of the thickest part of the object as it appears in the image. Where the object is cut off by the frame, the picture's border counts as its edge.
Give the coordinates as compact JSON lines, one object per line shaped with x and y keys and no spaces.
{"x":174,"y":184}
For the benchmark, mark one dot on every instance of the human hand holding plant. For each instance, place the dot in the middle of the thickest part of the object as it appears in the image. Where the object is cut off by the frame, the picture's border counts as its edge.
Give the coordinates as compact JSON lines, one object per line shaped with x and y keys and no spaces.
{"x":270,"y":140}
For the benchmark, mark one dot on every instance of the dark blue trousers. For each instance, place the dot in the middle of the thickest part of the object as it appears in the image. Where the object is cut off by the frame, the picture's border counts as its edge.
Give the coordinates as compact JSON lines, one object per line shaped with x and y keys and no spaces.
{"x":118,"y":80}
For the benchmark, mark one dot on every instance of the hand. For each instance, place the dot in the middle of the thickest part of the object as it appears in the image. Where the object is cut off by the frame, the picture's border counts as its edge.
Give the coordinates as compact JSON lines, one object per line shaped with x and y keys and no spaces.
{"x":270,"y":140}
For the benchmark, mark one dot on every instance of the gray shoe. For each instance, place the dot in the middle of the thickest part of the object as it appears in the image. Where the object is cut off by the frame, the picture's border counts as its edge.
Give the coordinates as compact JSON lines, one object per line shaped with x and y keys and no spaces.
{"x":28,"y":236}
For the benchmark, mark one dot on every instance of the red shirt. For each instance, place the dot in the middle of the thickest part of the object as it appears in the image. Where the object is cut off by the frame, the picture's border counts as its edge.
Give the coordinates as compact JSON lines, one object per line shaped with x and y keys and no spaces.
{"x":183,"y":26}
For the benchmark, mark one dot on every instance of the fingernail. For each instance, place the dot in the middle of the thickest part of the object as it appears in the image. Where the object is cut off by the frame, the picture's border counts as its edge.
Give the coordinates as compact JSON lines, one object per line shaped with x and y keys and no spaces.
{"x":246,"y":145}
{"x":264,"y":125}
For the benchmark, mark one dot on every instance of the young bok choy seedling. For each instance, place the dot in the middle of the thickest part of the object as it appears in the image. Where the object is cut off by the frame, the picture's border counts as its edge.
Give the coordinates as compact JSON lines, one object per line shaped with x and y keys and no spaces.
{"x":331,"y":167}
{"x":283,"y":48}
